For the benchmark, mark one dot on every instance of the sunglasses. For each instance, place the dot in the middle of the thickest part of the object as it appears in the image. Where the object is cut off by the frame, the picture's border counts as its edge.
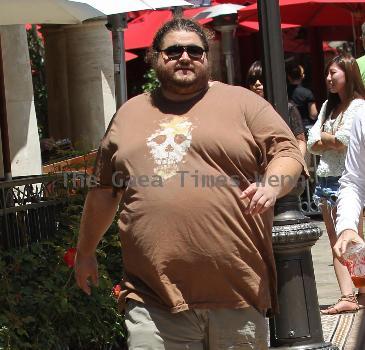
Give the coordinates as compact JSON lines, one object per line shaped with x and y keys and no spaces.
{"x":174,"y":52}
{"x":253,"y":78}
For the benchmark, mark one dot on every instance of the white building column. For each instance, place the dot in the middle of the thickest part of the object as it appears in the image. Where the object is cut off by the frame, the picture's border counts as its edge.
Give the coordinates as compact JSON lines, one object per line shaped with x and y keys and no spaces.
{"x":87,"y":58}
{"x":23,"y":130}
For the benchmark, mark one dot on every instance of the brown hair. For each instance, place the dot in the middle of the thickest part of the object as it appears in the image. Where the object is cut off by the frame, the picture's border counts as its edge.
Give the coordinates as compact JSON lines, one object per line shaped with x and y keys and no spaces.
{"x":354,"y":87}
{"x":294,"y":71}
{"x":176,"y":24}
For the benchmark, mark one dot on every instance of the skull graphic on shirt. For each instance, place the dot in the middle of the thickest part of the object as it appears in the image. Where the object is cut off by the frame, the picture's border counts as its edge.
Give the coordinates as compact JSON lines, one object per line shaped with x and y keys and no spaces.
{"x":168,"y":146}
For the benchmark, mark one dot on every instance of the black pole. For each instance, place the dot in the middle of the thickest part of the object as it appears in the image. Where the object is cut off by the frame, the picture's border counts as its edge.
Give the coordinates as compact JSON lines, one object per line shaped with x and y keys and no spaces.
{"x":298,"y":324}
{"x":177,"y":12}
{"x":226,"y":25}
{"x":318,"y":81}
{"x":116,"y":24}
{"x":4,"y":123}
{"x":273,"y":56}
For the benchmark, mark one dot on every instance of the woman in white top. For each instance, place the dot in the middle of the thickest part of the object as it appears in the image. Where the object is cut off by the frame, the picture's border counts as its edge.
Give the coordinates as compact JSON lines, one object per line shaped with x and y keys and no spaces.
{"x":329,"y":138}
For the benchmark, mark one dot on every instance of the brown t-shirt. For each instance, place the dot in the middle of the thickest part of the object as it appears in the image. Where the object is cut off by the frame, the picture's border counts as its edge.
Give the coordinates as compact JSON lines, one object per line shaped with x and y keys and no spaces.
{"x":185,"y":238}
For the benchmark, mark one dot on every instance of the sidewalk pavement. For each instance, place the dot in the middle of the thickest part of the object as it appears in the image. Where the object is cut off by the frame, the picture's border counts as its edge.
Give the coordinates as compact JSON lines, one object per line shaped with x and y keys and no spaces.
{"x":327,"y":287}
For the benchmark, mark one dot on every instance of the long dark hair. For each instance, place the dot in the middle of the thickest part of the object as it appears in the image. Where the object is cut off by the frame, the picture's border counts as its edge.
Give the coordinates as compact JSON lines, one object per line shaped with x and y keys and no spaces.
{"x":254,"y":73}
{"x":354,"y":87}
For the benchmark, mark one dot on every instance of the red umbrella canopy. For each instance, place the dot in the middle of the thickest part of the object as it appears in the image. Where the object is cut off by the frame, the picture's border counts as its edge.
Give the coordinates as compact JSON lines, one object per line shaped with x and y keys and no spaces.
{"x":313,"y":12}
{"x":140,"y":31}
{"x":129,"y":56}
{"x":254,"y":26}
{"x":238,"y":2}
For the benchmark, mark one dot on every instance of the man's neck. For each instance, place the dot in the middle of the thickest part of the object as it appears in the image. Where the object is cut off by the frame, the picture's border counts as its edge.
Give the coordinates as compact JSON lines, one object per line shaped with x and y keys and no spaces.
{"x":176,"y":97}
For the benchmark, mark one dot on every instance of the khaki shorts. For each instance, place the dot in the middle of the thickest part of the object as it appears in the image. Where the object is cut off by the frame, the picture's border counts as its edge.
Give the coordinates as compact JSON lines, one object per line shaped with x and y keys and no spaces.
{"x":151,"y":328}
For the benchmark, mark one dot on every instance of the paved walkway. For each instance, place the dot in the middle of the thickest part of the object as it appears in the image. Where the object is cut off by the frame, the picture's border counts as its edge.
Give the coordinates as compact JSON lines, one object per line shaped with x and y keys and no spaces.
{"x":327,"y":287}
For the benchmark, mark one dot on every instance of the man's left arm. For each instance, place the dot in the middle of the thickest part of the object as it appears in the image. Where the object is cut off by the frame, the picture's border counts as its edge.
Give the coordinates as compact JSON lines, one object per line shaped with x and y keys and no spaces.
{"x":281,"y":176}
{"x":280,"y":159}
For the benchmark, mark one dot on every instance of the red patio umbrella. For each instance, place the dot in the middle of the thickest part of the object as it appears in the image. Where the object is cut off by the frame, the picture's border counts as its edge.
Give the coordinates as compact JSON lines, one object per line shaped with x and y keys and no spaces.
{"x":238,"y":2}
{"x":129,"y":56}
{"x":313,"y":12}
{"x":140,"y":31}
{"x":254,"y":25}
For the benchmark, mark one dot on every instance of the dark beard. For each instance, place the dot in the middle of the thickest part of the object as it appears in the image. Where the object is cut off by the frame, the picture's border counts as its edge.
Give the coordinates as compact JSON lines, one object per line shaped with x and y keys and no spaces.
{"x":183,"y":87}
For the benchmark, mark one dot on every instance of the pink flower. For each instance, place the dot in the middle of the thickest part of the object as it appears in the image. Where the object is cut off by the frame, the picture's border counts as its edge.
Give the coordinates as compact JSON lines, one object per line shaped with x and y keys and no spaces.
{"x":69,"y":257}
{"x":116,"y":290}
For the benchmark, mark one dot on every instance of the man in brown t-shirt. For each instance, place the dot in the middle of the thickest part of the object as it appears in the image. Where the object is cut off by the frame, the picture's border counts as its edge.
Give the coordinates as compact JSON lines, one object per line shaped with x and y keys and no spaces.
{"x":197,"y":166}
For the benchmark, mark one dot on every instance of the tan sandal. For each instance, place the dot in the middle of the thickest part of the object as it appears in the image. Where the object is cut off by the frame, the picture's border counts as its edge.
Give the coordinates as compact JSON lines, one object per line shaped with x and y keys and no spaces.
{"x":333,"y":310}
{"x":360,"y":296}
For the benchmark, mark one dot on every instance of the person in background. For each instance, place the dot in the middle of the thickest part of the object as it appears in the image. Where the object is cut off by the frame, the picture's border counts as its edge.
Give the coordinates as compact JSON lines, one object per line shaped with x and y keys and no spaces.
{"x":255,"y":83}
{"x":302,"y":97}
{"x":351,"y":195}
{"x":329,"y":138}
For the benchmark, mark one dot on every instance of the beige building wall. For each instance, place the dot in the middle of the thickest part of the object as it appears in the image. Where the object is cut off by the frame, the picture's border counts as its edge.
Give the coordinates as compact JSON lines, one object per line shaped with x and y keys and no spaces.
{"x":80,"y":79}
{"x":23,"y":130}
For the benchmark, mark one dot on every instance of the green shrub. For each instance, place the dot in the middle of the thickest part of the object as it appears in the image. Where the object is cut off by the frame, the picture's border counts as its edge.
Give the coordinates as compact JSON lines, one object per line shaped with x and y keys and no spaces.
{"x":152,"y":83}
{"x":40,"y":305}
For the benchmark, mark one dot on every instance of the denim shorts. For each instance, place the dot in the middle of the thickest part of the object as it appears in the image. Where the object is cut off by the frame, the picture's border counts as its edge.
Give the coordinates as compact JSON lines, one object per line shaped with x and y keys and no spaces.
{"x":326,"y":190}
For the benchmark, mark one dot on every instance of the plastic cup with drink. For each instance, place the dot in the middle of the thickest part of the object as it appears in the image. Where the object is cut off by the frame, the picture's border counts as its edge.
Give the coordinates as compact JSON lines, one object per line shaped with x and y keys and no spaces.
{"x":355,"y":262}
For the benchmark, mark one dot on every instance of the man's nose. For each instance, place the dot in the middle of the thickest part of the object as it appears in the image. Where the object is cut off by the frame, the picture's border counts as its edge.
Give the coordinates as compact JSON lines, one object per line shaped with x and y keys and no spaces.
{"x":184,"y":56}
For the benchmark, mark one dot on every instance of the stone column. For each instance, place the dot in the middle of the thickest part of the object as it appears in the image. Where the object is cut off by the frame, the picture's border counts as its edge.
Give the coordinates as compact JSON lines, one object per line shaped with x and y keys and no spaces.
{"x":91,"y":81}
{"x":23,"y":130}
{"x":81,"y":60}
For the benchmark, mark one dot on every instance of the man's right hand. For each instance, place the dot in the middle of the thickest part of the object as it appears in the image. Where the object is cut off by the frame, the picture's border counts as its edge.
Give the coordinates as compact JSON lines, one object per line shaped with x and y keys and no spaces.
{"x":346,"y":237}
{"x":86,"y":267}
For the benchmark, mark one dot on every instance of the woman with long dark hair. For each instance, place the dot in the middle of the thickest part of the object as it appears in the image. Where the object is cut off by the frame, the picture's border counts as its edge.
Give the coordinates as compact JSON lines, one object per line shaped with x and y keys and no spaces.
{"x":329,"y":138}
{"x":255,"y":84}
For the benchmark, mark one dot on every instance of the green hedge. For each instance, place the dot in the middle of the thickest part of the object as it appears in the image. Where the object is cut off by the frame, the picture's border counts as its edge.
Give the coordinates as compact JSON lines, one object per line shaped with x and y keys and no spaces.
{"x":40,"y":305}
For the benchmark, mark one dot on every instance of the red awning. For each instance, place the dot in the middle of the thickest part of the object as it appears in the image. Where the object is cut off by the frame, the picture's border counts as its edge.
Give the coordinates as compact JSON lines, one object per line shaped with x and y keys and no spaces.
{"x":312,"y":12}
{"x":140,"y":31}
{"x":254,"y":25}
{"x":129,"y":56}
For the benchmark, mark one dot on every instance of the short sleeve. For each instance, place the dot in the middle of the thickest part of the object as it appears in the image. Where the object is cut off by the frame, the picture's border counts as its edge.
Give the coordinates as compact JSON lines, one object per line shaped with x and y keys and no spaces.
{"x":272,"y":134}
{"x":104,"y":163}
{"x":309,"y":97}
{"x":295,"y":120}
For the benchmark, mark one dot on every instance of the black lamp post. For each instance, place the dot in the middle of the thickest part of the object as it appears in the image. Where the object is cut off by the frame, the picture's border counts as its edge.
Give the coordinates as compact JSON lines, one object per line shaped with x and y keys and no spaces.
{"x":226,"y":25}
{"x":298,"y":325}
{"x":117,"y":24}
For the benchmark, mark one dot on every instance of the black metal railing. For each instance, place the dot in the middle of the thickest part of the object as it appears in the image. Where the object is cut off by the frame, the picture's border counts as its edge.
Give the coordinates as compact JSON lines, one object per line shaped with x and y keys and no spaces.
{"x":28,"y":209}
